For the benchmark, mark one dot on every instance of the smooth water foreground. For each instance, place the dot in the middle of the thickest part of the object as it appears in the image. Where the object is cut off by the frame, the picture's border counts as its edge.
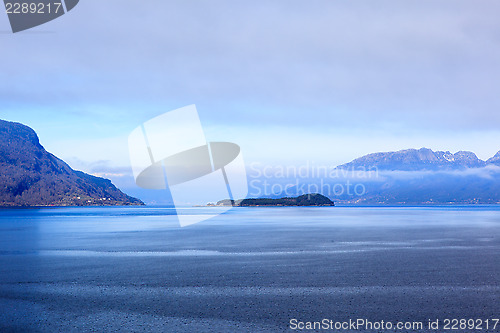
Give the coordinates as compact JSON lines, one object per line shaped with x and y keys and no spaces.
{"x":249,"y":270}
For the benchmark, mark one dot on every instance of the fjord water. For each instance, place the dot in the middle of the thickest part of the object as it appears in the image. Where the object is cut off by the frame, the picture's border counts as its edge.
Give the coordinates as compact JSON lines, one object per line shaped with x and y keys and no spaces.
{"x":249,"y":270}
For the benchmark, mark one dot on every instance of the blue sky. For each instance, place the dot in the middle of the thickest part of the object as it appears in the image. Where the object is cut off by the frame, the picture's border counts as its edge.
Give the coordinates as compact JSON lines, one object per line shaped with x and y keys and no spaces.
{"x":290,"y":81}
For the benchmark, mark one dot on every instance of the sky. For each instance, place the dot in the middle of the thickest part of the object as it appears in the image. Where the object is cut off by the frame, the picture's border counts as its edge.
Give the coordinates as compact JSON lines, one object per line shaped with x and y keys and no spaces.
{"x":289,"y":81}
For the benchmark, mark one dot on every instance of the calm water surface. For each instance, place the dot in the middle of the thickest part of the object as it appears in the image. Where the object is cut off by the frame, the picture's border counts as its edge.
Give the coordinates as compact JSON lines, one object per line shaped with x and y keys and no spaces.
{"x":249,"y":270}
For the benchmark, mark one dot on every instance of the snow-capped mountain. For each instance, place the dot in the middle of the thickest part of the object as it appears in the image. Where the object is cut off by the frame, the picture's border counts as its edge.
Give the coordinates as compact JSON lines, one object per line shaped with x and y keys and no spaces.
{"x":419,"y":159}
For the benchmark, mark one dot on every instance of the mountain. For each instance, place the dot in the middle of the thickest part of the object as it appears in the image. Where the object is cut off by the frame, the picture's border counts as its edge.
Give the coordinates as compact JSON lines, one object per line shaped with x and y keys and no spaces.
{"x":495,"y":159}
{"x":31,"y":176}
{"x":314,"y":199}
{"x":424,"y":176}
{"x":413,"y":159}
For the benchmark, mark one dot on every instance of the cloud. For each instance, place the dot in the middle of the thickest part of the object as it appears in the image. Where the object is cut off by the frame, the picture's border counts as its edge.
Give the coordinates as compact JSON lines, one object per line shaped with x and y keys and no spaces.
{"x":290,"y":81}
{"x":429,"y":63}
{"x":487,"y":172}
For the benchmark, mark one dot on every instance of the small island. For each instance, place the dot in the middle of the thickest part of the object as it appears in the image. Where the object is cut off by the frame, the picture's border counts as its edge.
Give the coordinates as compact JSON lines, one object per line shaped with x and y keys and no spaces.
{"x":314,"y":199}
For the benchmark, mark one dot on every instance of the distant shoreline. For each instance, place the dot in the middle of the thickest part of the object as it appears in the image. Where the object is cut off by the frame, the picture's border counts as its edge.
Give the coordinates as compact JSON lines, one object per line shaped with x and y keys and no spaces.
{"x":339,"y":205}
{"x":67,"y":206}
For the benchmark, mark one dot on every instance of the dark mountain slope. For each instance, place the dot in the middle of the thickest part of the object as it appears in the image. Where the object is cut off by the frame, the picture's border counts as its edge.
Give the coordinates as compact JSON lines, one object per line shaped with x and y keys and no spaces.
{"x":31,"y":176}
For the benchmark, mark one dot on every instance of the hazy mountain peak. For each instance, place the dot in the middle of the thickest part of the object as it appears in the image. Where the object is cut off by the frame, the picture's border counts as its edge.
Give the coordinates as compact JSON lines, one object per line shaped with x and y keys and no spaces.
{"x":466,"y":156}
{"x":416,"y":159}
{"x":495,"y":159}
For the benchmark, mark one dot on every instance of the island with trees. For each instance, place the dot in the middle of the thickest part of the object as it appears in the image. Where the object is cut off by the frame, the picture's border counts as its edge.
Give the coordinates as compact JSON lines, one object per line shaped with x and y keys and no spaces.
{"x":314,"y":199}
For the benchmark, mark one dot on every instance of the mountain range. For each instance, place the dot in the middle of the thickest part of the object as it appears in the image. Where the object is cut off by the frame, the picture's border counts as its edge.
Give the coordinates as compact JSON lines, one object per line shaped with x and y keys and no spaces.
{"x":423,"y":176}
{"x":31,"y":176}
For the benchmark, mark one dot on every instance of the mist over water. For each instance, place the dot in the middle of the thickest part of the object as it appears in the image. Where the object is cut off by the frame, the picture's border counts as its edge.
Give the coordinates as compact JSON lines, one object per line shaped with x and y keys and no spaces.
{"x":249,"y":270}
